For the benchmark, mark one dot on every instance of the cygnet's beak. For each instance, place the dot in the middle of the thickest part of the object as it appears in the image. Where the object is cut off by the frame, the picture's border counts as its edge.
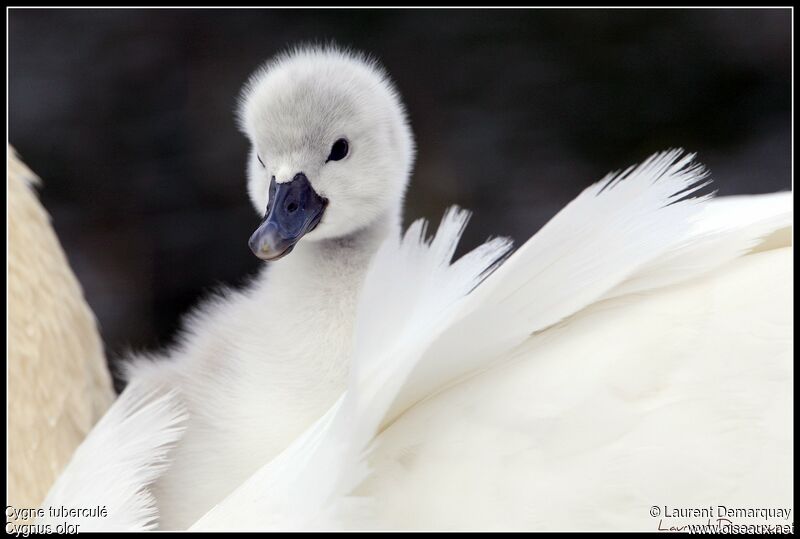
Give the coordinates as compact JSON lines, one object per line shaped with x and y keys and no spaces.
{"x":294,"y":209}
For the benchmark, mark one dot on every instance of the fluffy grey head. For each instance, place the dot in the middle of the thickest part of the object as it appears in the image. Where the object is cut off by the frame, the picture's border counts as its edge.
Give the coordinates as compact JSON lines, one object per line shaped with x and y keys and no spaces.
{"x":298,"y":106}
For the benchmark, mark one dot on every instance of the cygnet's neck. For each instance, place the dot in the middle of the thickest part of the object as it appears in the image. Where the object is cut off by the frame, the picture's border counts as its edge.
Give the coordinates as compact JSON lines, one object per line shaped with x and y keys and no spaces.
{"x":328,"y":271}
{"x":310,"y":299}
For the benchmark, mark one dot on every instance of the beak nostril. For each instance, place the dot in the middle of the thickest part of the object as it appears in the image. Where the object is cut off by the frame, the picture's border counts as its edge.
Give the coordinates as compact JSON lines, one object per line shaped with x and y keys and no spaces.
{"x":292,"y":207}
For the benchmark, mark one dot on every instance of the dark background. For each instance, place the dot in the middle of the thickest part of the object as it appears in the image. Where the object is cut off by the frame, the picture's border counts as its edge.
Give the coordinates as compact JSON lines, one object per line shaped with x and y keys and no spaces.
{"x":127,"y":115}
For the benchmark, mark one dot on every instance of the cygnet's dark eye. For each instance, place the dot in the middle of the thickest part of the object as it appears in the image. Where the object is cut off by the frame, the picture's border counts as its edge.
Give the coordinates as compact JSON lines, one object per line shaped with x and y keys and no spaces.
{"x":260,"y":161}
{"x":339,"y":150}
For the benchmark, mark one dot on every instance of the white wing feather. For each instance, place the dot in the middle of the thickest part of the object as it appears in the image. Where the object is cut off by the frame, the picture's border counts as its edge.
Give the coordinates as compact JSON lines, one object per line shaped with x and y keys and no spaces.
{"x":123,"y":454}
{"x":598,"y":241}
{"x":726,"y":229}
{"x":679,"y":397}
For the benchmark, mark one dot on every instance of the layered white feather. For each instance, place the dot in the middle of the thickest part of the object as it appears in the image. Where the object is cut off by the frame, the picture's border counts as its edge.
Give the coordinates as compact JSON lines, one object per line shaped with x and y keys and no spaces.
{"x":726,"y":229}
{"x":604,"y":236}
{"x":678,"y":397}
{"x":120,"y":458}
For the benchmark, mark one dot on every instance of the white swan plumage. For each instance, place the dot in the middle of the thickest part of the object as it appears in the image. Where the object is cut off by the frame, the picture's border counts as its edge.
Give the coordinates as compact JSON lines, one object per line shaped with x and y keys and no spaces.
{"x":635,"y":352}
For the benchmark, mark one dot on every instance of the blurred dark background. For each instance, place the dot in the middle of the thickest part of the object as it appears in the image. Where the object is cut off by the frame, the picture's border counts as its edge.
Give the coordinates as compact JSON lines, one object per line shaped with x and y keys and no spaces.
{"x":127,"y":115}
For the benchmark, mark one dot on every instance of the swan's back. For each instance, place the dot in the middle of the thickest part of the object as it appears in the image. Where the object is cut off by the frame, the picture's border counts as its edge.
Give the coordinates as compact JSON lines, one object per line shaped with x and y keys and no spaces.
{"x":58,"y":382}
{"x":680,"y":397}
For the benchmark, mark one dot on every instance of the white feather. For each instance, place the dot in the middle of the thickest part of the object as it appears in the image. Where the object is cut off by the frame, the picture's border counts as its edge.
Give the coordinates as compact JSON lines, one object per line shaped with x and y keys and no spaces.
{"x":114,"y":466}
{"x":726,"y":229}
{"x":600,"y":239}
{"x":680,"y":397}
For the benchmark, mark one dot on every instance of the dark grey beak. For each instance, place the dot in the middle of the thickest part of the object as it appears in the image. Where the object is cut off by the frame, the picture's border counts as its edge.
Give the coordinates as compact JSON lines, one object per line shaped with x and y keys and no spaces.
{"x":294,"y":209}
